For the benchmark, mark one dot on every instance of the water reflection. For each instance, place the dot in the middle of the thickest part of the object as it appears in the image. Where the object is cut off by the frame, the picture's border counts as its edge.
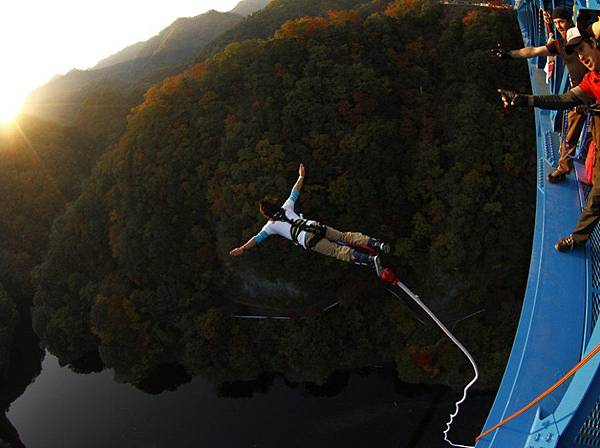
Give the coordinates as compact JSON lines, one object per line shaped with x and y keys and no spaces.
{"x":65,"y":409}
{"x":166,"y":377}
{"x":25,"y":366}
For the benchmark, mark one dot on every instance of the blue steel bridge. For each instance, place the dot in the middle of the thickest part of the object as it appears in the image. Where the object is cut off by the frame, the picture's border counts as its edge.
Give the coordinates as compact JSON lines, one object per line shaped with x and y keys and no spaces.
{"x":559,"y":320}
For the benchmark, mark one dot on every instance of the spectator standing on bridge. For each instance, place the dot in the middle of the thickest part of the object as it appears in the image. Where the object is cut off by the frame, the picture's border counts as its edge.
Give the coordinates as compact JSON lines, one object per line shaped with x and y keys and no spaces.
{"x":563,"y":20}
{"x":586,"y":46}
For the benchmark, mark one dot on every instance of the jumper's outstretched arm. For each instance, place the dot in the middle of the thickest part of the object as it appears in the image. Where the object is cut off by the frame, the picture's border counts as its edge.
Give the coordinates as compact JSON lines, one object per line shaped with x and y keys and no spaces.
{"x":240,"y":250}
{"x":298,"y":185}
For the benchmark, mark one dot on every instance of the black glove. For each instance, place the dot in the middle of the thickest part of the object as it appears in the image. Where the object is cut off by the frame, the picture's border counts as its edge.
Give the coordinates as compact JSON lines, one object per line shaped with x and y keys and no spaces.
{"x":501,"y":53}
{"x":513,"y":99}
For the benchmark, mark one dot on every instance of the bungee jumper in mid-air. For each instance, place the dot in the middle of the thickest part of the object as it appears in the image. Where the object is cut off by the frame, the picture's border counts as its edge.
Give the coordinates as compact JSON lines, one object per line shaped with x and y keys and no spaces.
{"x":352,"y":247}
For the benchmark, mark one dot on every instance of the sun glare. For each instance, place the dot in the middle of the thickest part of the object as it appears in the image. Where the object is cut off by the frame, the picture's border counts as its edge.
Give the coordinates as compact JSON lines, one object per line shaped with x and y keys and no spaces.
{"x":10,"y":105}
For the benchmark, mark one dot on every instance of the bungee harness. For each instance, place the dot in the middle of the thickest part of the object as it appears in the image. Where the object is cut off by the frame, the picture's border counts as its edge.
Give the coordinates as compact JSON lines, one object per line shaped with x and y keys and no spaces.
{"x":299,"y":225}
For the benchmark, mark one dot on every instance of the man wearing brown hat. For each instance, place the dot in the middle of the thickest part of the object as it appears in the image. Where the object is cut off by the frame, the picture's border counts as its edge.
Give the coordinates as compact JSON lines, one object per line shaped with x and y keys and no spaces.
{"x":562,"y":20}
{"x":584,"y":44}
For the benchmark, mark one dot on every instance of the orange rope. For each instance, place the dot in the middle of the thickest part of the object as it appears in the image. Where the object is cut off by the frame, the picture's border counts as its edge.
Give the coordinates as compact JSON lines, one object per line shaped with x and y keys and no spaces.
{"x":555,"y":386}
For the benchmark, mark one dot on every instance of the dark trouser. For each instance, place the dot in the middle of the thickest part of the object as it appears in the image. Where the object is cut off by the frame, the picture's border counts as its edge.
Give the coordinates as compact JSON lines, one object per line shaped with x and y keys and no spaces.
{"x":568,"y":147}
{"x":591,"y":212}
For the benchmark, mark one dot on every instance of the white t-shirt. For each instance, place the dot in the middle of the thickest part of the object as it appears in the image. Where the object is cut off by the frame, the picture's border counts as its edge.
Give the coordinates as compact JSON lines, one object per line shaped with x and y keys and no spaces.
{"x":283,"y":228}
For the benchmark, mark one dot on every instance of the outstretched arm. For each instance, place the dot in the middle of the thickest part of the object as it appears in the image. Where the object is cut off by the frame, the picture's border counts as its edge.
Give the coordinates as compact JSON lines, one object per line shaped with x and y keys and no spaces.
{"x":522,"y":53}
{"x":290,"y":203}
{"x":529,"y":52}
{"x":574,"y":97}
{"x":240,"y":250}
{"x":300,"y":181}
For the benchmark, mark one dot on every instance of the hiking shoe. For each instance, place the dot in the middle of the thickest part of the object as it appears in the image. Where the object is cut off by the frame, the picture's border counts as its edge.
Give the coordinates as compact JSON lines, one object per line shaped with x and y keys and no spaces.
{"x":385,"y":248}
{"x":566,"y":244}
{"x":377,"y":265}
{"x":556,"y":176}
{"x":380,"y":246}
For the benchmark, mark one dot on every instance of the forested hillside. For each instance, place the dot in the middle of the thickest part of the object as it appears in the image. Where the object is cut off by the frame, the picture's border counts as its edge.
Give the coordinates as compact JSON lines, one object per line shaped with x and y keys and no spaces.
{"x":42,"y":167}
{"x":396,"y":117}
{"x":117,"y":83}
{"x":264,"y":23}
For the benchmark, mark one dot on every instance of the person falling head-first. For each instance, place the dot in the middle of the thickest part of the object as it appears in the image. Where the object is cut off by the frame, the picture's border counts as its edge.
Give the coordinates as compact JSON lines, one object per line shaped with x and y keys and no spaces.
{"x":585,"y":44}
{"x":563,"y":20}
{"x":312,"y":235}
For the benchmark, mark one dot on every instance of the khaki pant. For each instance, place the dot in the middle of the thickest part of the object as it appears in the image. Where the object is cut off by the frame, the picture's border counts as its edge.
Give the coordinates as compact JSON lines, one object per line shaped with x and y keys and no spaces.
{"x":591,"y":211}
{"x":328,"y":246}
{"x":567,"y":149}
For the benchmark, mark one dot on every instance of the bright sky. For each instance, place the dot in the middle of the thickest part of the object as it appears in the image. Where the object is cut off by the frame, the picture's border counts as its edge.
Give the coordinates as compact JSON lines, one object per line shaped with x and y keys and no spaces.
{"x":41,"y":38}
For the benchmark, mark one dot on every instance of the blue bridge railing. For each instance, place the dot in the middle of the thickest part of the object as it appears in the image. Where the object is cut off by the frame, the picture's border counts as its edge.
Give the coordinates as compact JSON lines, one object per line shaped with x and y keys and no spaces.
{"x":561,"y":308}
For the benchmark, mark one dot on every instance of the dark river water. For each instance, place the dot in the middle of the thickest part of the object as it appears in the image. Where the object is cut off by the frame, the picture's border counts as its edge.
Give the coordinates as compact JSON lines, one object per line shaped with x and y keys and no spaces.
{"x":61,"y":408}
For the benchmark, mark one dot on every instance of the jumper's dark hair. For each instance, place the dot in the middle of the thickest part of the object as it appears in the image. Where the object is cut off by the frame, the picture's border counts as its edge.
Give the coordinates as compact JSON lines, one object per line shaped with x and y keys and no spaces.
{"x":268,"y":206}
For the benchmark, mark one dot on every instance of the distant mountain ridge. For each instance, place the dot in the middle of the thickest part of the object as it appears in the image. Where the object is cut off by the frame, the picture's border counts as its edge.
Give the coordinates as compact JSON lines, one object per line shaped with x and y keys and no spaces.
{"x":134,"y":69}
{"x":126,"y":54}
{"x":247,"y":7}
{"x":185,"y":33}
